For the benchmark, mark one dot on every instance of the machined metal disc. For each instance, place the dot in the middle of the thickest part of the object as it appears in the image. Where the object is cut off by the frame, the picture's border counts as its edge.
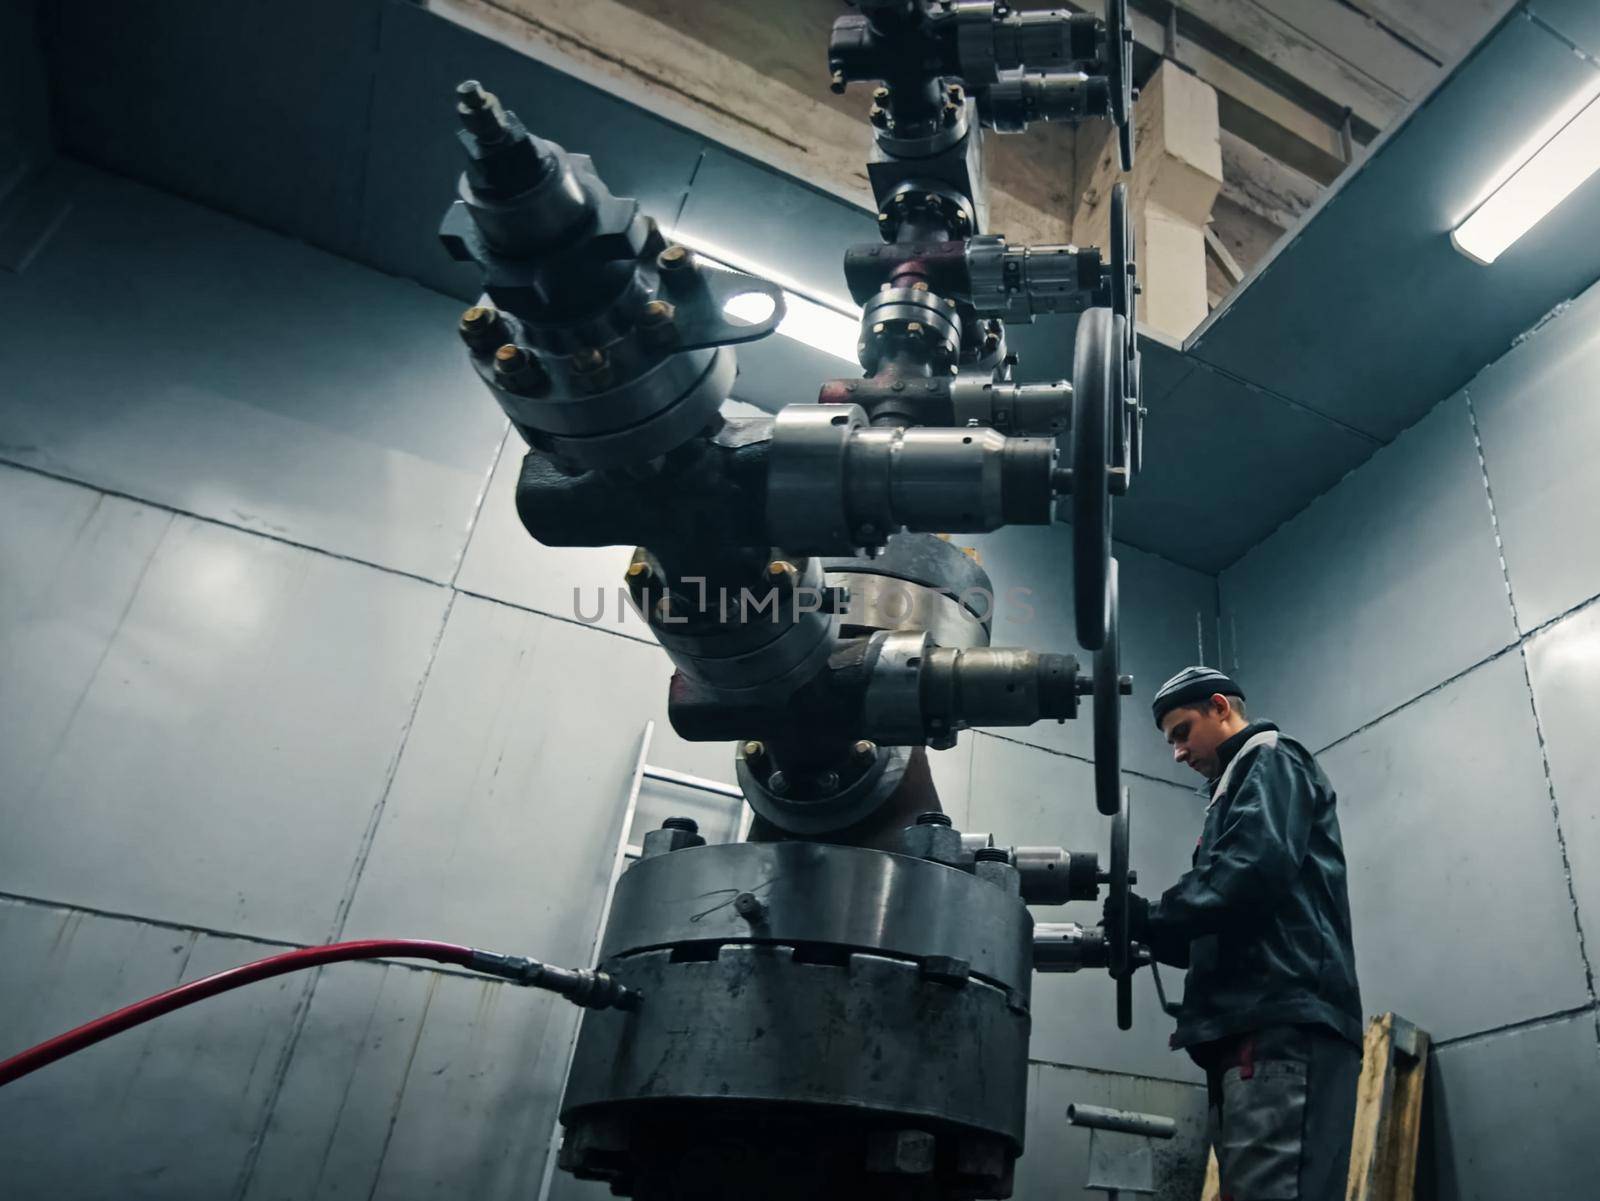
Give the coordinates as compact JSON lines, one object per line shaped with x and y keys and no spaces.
{"x":1119,"y":72}
{"x":1108,"y":713}
{"x":1124,"y":303}
{"x":1097,"y":397}
{"x":1121,"y":945}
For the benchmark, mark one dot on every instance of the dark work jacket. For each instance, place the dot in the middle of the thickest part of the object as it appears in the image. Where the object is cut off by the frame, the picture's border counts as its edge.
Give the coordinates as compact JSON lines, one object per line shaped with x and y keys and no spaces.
{"x":1262,"y":921}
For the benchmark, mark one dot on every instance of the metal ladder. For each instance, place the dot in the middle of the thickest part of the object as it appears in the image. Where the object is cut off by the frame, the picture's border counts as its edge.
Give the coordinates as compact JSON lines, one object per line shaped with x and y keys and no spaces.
{"x":625,"y":853}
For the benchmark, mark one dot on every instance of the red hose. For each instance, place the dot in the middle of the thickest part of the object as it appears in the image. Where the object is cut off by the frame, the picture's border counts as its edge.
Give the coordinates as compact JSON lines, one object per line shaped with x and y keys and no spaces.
{"x":90,"y":1033}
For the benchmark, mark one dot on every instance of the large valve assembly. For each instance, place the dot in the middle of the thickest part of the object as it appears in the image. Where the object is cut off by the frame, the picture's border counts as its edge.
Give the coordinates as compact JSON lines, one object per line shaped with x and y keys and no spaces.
{"x":841,"y":1002}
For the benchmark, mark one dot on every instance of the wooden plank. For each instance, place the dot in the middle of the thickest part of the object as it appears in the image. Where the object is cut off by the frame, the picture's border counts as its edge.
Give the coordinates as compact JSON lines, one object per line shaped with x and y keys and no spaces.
{"x":1176,"y":176}
{"x":1399,"y":1172}
{"x":1300,"y":58}
{"x":1246,"y":106}
{"x":1261,"y":184}
{"x":1388,"y":1124}
{"x":1444,"y":29}
{"x":1361,"y":42}
{"x":1211,"y":1190}
{"x":1374,"y":1095}
{"x":821,"y":138}
{"x":1222,"y":257}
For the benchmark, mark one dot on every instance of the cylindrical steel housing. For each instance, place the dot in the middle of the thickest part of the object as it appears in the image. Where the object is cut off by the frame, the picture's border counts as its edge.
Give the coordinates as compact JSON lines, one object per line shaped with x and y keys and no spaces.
{"x":869,"y":998}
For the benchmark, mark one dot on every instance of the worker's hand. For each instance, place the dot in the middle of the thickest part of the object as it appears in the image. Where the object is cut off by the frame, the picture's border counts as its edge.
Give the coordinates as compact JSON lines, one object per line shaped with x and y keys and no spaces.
{"x":1138,"y":918}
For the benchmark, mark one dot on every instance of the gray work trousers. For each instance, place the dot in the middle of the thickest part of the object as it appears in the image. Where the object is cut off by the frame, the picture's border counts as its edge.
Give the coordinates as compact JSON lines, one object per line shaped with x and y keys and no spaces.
{"x":1283,"y":1102}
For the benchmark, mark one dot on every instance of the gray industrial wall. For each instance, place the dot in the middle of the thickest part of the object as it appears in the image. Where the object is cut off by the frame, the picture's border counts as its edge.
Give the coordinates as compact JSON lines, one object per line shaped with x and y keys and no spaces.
{"x":279,"y":666}
{"x":1429,"y":628}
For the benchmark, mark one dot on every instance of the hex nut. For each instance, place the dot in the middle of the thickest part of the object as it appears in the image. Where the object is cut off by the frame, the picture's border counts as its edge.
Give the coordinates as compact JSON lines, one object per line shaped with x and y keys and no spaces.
{"x":945,"y":969}
{"x":940,"y":844}
{"x":901,"y":1152}
{"x":998,"y":871}
{"x":667,"y":840}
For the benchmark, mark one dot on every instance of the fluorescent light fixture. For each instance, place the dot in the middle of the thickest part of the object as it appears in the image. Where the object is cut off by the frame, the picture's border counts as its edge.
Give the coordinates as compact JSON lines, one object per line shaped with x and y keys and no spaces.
{"x":821,"y":322}
{"x":1548,"y":169}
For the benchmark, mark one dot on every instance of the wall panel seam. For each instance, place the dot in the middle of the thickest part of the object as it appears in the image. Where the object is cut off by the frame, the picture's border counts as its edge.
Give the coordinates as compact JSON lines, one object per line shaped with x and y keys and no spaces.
{"x":1078,"y":1067}
{"x":1533,"y":1023}
{"x":1519,"y":644}
{"x":1127,"y":771}
{"x":1494,"y":517}
{"x":163,"y":507}
{"x":341,"y":914}
{"x":261,"y":940}
{"x":596,"y":626}
{"x":1533,"y":707}
{"x":477,"y":505}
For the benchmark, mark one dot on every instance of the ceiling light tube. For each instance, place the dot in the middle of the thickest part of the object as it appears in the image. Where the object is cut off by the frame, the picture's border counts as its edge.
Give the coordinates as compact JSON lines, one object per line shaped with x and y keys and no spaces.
{"x":1545,"y":172}
{"x":822,"y":323}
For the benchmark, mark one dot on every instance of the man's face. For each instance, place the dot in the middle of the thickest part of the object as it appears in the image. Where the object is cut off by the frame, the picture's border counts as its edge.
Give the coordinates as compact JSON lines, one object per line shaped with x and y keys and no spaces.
{"x":1194,"y":732}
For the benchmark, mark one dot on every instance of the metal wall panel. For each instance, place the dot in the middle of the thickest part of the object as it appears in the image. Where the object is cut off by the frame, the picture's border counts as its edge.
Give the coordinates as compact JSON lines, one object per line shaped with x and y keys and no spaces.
{"x":163,"y":1112}
{"x":1026,"y":796}
{"x":1055,"y":1163}
{"x":208,"y":717}
{"x":257,"y":107}
{"x":416,"y":1084}
{"x":1464,"y":760}
{"x":504,"y":814}
{"x":1576,"y":20}
{"x":1227,"y":463}
{"x":1564,"y":665}
{"x":1168,"y":621}
{"x":1513,"y":1114}
{"x":236,"y":375}
{"x":1387,"y":586}
{"x":1368,"y":314}
{"x":412,"y":157}
{"x":771,"y":219}
{"x":570,"y":582}
{"x":1541,"y":437}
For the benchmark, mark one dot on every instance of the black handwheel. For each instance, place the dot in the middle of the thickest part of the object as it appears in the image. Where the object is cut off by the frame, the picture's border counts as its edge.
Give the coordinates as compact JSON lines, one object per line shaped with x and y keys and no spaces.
{"x":1136,"y":412}
{"x":1124,"y":303}
{"x":1108,"y":713}
{"x":1119,"y":76}
{"x":1096,"y":400}
{"x":1121,"y":949}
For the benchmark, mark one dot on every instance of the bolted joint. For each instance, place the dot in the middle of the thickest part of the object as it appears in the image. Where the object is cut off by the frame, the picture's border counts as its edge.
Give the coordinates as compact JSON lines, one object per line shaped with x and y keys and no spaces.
{"x":482,"y":327}
{"x":591,"y":369}
{"x":518,"y":371}
{"x":750,"y":907}
{"x":782,"y":573}
{"x":480,"y":112}
{"x":901,"y":1152}
{"x":993,"y":865}
{"x":946,"y":969}
{"x":933,"y":839}
{"x":676,"y":834}
{"x":657,"y":323}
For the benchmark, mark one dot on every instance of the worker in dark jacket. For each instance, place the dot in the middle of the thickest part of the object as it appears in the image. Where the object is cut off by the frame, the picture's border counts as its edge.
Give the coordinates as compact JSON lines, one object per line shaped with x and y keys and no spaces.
{"x":1270,"y":1009}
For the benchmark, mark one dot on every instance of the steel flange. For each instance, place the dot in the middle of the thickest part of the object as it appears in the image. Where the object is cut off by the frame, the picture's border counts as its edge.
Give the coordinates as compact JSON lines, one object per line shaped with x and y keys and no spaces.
{"x":1108,"y":692}
{"x":1097,"y":401}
